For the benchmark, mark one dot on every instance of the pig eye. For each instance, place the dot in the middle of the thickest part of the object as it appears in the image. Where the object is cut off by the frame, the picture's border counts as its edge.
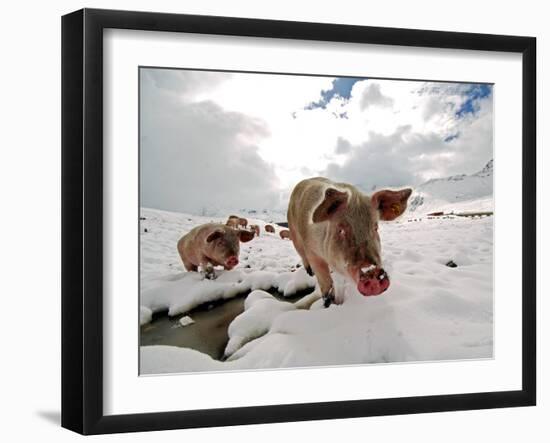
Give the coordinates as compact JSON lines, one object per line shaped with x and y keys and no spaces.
{"x":376,"y":227}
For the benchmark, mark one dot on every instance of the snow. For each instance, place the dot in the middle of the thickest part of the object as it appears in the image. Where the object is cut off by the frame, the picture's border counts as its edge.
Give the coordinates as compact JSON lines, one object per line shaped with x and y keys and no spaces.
{"x":261,"y":309}
{"x":186,"y":321}
{"x":145,"y":315}
{"x":430,"y":311}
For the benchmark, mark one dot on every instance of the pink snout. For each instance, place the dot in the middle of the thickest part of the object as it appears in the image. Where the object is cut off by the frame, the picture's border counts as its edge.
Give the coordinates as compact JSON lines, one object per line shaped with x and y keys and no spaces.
{"x":373,"y":282}
{"x":231,"y":262}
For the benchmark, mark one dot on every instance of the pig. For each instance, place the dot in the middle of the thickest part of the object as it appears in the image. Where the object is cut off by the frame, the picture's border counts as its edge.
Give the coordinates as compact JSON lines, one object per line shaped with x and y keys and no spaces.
{"x":255,"y":229}
{"x":233,"y":221}
{"x":333,"y":226}
{"x":285,"y":233}
{"x":269,"y":228}
{"x":212,"y":244}
{"x":243,"y":222}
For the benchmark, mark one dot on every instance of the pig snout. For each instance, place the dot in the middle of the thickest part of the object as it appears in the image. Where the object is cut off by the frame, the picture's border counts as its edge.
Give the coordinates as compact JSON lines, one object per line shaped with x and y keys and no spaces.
{"x":231,"y":262}
{"x":372,"y":281}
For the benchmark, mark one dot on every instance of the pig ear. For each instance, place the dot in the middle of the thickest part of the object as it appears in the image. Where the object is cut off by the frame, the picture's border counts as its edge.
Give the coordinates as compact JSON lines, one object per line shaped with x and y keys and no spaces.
{"x":391,"y":204}
{"x":214,"y":235}
{"x":245,"y":235}
{"x":334,"y":202}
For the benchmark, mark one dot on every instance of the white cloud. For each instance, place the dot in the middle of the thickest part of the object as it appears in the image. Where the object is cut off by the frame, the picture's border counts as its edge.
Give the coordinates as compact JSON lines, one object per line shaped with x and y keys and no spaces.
{"x":195,"y":156}
{"x":248,"y":138}
{"x":372,"y":96}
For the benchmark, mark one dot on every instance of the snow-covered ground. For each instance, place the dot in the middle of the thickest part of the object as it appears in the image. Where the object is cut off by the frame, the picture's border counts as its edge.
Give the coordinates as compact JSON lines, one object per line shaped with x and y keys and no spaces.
{"x":430,"y":312}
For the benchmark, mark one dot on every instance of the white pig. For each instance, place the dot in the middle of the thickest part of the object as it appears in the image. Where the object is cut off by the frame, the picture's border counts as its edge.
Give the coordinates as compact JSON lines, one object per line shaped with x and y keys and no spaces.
{"x":212,"y":244}
{"x":335,"y":227}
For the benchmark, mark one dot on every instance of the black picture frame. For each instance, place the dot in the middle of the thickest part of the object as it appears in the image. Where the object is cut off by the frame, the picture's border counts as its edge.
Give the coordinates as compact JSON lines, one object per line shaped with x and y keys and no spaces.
{"x":82,"y":220}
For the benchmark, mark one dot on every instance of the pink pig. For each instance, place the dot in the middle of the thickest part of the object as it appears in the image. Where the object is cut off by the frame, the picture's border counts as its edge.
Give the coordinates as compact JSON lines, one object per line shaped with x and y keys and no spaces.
{"x":335,"y":227}
{"x":212,"y":244}
{"x":285,"y":233}
{"x":233,"y":221}
{"x":255,"y":229}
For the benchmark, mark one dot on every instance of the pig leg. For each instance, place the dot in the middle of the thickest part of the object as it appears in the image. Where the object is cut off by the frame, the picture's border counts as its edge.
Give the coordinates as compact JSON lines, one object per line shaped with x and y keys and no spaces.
{"x":208,"y":269}
{"x":307,"y":266}
{"x":300,"y":250}
{"x":322,"y":272}
{"x":329,"y":297}
{"x":209,"y":272}
{"x":189,"y":266}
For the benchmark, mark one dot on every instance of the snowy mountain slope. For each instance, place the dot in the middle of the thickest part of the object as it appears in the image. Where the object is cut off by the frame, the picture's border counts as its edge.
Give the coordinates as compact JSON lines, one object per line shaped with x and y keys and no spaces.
{"x":456,"y":193}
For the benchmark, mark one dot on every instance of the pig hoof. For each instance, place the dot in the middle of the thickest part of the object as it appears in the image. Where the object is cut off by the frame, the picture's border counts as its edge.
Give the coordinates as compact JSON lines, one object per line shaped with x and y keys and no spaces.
{"x":328,"y":298}
{"x":309,"y":271}
{"x":210,"y":275}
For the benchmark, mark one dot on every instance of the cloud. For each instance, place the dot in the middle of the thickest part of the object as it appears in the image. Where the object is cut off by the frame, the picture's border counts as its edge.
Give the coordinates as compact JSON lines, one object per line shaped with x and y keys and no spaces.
{"x":474,"y":94}
{"x":373,"y":97}
{"x":195,"y":156}
{"x":184,"y":82}
{"x":374,"y":164}
{"x":342,"y":146}
{"x":247,"y":139}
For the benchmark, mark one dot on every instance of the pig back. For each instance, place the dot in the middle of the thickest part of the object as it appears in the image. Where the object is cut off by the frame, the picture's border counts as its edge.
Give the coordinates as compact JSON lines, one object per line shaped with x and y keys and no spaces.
{"x":187,"y":244}
{"x":192,"y":244}
{"x":305,"y":197}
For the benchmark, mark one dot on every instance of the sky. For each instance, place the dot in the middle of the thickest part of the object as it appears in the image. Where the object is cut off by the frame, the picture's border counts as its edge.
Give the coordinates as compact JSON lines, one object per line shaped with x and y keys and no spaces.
{"x":214,"y":141}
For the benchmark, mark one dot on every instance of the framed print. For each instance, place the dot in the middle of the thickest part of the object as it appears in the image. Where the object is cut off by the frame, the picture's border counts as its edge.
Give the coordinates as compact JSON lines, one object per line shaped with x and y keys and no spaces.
{"x":269,"y":221}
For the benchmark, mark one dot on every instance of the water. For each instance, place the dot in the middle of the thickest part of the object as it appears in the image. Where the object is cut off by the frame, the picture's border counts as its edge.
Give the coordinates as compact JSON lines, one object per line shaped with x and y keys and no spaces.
{"x":209,"y":332}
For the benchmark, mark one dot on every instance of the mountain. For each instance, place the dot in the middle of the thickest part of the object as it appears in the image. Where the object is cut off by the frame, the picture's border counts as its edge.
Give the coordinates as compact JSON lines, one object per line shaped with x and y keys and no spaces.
{"x":455,"y":193}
